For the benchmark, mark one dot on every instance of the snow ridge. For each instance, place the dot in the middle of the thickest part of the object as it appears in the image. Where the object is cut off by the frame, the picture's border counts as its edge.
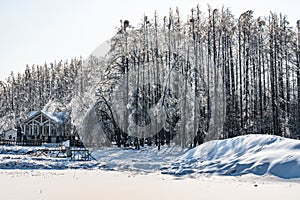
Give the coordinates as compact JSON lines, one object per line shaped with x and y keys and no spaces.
{"x":255,"y":154}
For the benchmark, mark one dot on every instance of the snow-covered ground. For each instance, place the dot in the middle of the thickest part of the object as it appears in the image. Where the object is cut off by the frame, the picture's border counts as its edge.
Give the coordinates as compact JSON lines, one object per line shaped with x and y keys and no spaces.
{"x":260,"y":155}
{"x":108,"y":185}
{"x":245,"y":167}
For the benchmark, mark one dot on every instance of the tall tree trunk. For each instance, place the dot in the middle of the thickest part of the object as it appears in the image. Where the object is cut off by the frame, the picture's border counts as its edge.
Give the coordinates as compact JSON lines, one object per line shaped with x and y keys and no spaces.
{"x":298,"y":77}
{"x":240,"y":73}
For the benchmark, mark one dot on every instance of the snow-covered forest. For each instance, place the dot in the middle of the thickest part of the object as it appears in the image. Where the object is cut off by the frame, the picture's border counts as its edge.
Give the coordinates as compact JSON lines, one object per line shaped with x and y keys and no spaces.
{"x":172,"y":79}
{"x":34,"y":89}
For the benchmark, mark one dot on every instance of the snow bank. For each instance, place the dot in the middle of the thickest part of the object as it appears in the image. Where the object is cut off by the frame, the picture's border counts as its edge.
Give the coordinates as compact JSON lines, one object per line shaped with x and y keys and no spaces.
{"x":252,"y":154}
{"x":255,"y":154}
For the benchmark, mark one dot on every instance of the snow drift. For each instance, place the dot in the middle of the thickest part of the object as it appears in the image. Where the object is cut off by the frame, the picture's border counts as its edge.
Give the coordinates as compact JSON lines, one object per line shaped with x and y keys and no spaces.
{"x":261,"y":155}
{"x":256,"y":154}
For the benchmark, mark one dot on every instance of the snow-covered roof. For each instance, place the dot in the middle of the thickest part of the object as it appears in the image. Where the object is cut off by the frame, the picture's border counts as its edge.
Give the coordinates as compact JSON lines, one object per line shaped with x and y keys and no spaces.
{"x":32,"y":113}
{"x":57,"y":117}
{"x":10,"y":130}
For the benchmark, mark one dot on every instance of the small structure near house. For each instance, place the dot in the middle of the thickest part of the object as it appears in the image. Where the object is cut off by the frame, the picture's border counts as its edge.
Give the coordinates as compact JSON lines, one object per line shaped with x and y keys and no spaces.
{"x":42,"y":126}
{"x":11,"y":135}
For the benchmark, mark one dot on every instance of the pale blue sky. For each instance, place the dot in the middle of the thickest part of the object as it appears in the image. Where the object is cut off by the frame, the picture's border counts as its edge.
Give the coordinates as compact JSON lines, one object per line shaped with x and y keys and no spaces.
{"x":39,"y":31}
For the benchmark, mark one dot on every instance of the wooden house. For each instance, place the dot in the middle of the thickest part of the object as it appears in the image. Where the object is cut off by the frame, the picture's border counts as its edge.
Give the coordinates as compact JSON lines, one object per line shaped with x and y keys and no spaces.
{"x":43,"y":126}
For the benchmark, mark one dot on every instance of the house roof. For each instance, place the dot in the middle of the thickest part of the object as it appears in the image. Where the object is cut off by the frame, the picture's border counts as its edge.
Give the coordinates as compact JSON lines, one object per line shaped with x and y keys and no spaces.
{"x":57,"y":117}
{"x":9,"y":130}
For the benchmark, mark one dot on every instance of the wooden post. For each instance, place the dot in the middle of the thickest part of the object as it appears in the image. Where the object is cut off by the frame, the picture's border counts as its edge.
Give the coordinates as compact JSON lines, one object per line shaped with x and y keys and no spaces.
{"x":24,"y":129}
{"x":32,"y":128}
{"x":49,"y":133}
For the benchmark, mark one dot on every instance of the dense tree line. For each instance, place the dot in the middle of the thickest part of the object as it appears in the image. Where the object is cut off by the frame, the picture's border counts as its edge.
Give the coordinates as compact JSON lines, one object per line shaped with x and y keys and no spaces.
{"x":219,"y":76}
{"x":34,"y":89}
{"x":183,"y":80}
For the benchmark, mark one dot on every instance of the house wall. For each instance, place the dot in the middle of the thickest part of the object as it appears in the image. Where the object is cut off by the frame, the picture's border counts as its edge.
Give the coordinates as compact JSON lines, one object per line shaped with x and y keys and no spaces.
{"x":42,"y":128}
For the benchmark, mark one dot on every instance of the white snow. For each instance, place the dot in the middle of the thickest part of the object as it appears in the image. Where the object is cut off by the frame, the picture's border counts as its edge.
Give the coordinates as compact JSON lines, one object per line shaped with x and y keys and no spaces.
{"x":147,"y":159}
{"x":262,"y":155}
{"x":255,"y":154}
{"x":245,"y":167}
{"x":112,"y":185}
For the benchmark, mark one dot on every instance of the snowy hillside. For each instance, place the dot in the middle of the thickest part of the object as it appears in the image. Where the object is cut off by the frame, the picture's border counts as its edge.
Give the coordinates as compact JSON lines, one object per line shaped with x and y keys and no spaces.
{"x":251,"y":154}
{"x":255,"y":154}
